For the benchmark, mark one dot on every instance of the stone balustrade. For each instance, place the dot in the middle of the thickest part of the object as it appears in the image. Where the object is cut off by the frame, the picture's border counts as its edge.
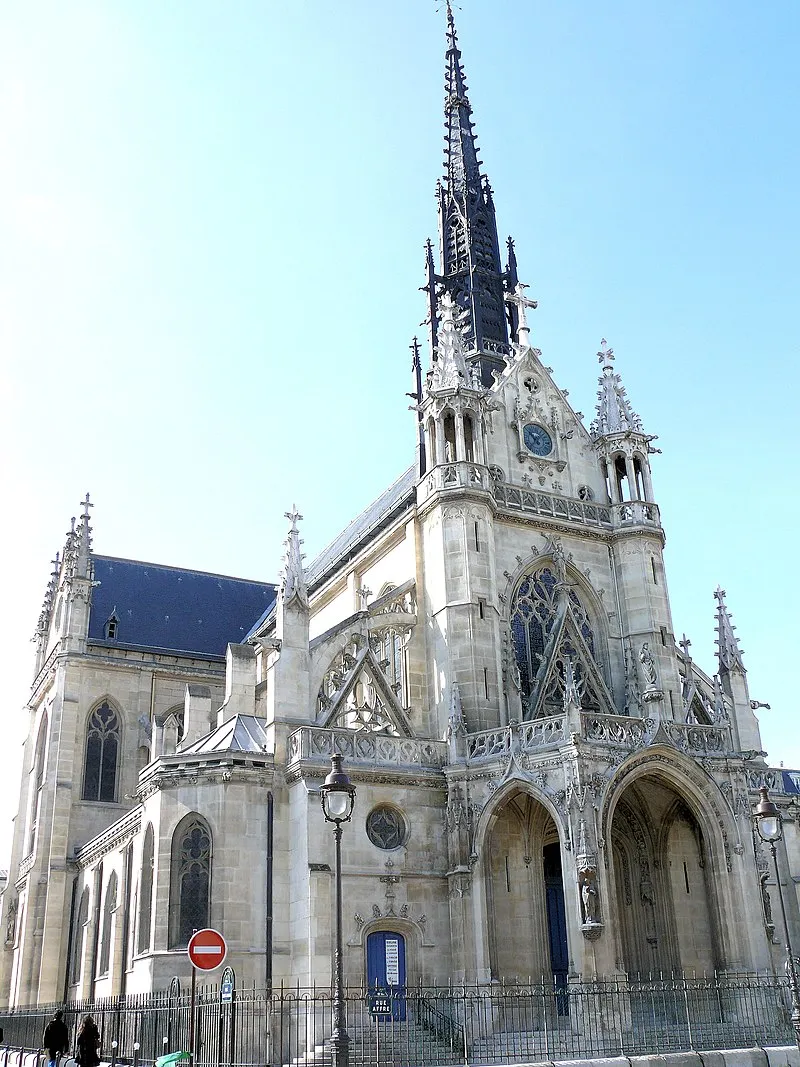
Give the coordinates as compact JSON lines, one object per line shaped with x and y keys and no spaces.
{"x":536,"y":734}
{"x":618,"y":730}
{"x":635,"y":513}
{"x":519,"y":498}
{"x":364,"y":747}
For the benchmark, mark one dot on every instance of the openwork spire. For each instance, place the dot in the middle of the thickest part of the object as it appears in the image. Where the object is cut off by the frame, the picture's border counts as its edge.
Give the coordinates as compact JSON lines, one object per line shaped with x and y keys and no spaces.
{"x":728,"y":651}
{"x":614,"y":411}
{"x":293,"y":579}
{"x":470,"y":253}
{"x":462,"y":167}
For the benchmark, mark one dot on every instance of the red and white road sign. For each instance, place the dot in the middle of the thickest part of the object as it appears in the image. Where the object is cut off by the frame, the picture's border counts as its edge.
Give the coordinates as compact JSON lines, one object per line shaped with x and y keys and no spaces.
{"x":207,"y":950}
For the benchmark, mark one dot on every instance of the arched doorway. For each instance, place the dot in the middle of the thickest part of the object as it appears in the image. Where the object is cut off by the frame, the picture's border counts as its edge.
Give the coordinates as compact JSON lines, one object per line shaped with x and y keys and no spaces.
{"x":665,"y":899}
{"x":386,"y":973}
{"x":525,"y":893}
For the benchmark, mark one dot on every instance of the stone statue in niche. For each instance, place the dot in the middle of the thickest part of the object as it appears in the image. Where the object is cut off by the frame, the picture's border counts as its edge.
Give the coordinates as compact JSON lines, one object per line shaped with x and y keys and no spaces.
{"x":650,"y":672}
{"x":11,"y":922}
{"x":769,"y":922}
{"x":590,"y":902}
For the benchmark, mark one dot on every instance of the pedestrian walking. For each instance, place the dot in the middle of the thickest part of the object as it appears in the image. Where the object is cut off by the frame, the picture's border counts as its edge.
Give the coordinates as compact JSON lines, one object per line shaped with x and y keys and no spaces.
{"x":56,"y":1039}
{"x":87,"y":1044}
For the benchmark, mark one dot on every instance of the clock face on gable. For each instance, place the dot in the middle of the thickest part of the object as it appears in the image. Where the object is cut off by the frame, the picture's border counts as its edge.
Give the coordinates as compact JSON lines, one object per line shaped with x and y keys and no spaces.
{"x":537,"y":439}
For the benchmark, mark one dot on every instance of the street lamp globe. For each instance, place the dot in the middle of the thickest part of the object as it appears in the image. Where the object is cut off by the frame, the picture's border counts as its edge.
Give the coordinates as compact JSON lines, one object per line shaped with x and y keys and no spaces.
{"x":338,"y":793}
{"x":767,"y":818}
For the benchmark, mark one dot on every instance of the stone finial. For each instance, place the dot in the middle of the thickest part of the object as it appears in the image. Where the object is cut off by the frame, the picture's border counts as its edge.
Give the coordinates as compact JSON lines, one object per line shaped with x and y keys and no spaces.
{"x":83,"y":544}
{"x":450,"y":368}
{"x":728,"y":652}
{"x":292,"y":577}
{"x":614,"y":413}
{"x":521,"y":303}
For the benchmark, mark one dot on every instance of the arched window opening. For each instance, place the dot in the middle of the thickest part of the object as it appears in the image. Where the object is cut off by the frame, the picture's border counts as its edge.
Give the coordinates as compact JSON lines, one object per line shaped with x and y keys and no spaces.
{"x":78,"y":938}
{"x":190,"y":880}
{"x":642,"y":486}
{"x":102,"y":746}
{"x":469,"y":439}
{"x":432,"y":442}
{"x":109,"y":908}
{"x":533,"y":613}
{"x":38,"y":780}
{"x":624,"y":491}
{"x":146,"y":892}
{"x":449,"y":438}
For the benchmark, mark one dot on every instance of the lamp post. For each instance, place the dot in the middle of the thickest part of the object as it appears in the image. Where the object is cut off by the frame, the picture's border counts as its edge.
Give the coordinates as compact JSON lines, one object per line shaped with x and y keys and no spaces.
{"x":338,"y":795}
{"x":769,"y":824}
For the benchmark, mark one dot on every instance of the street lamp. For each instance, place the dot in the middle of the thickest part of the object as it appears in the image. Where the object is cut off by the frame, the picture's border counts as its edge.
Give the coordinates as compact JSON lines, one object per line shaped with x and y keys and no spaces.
{"x":769,"y":824}
{"x":338,"y":795}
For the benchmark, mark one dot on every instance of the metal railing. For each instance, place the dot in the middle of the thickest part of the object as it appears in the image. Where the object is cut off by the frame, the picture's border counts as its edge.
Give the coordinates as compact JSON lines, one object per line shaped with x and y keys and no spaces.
{"x":436,"y":1025}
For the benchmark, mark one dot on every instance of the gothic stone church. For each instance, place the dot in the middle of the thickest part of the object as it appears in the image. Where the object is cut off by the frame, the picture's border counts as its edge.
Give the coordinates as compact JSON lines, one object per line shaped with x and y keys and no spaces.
{"x":547,"y":783}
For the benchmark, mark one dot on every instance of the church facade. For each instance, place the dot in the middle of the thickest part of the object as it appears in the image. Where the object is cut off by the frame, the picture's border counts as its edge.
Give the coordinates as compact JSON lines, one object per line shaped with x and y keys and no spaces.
{"x":547,"y":783}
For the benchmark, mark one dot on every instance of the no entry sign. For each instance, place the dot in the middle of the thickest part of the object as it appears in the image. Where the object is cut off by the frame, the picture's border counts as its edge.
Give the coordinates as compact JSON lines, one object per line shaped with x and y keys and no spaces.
{"x":207,"y":950}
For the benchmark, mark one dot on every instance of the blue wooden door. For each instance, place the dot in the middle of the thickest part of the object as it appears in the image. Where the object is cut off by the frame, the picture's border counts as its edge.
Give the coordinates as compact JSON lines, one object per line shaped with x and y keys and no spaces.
{"x":556,"y":921}
{"x":386,"y":974}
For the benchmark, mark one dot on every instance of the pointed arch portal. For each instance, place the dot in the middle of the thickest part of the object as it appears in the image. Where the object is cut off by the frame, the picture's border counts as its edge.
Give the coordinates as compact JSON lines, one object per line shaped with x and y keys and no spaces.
{"x":525,"y":893}
{"x":665,"y":895}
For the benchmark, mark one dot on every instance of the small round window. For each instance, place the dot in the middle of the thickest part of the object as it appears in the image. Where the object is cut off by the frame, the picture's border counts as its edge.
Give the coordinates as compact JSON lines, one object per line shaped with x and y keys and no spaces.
{"x":386,"y":827}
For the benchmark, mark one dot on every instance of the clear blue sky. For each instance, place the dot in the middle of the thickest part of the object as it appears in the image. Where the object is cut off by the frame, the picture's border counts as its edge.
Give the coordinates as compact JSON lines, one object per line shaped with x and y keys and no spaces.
{"x":211,"y":230}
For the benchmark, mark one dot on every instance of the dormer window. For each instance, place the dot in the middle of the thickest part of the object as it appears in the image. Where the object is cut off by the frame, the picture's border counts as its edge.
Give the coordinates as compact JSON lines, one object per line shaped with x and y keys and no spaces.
{"x":112,"y":626}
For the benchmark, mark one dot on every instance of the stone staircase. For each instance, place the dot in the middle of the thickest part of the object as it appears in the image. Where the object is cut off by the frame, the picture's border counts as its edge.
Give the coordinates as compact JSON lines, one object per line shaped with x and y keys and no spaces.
{"x":379,"y":1043}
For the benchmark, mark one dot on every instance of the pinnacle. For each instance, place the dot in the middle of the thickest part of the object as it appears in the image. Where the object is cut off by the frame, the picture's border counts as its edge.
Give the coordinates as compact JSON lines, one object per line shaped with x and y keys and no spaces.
{"x":729,"y":653}
{"x":293,"y":579}
{"x":614,"y":411}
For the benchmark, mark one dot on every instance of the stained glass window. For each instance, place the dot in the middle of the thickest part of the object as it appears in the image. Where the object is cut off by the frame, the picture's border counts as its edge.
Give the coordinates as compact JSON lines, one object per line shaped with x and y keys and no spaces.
{"x":386,"y":827}
{"x":146,"y":892}
{"x":102,"y":745}
{"x":191,"y":876}
{"x":533,"y":613}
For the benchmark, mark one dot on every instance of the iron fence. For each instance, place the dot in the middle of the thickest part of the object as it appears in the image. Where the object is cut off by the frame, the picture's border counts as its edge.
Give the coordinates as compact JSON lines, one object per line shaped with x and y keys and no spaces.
{"x":435,"y":1025}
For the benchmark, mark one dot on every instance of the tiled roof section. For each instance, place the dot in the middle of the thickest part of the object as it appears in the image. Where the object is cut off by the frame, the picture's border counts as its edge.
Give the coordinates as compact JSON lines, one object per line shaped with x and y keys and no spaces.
{"x":241,"y":733}
{"x":392,"y":501}
{"x":172,"y":609}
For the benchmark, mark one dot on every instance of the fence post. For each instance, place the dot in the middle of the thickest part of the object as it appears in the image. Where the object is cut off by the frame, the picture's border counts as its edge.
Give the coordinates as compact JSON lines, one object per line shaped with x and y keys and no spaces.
{"x":136,"y":1054}
{"x":114,"y":1046}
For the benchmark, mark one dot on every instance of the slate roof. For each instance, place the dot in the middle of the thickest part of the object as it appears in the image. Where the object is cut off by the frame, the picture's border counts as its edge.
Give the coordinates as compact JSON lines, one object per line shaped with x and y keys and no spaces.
{"x":171,"y":609}
{"x":392,"y":501}
{"x":241,"y":733}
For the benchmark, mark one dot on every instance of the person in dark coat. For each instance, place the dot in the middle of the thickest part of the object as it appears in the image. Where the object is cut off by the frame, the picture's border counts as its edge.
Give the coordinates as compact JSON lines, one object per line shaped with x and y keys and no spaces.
{"x":87,"y":1044}
{"x":56,"y":1039}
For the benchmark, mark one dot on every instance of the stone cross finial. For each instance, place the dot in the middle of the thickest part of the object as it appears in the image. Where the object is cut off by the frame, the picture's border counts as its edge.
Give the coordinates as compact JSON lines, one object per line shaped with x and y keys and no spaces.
{"x":293,"y":516}
{"x":685,"y":644}
{"x":606,"y":354}
{"x":86,"y":504}
{"x":720,"y":594}
{"x":521,"y":301}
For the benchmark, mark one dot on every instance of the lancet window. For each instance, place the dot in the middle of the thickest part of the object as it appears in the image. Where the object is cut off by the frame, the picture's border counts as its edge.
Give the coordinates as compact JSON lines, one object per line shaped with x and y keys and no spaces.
{"x":389,"y":647}
{"x":109,"y":908}
{"x":78,"y":934}
{"x":38,"y":780}
{"x":190,"y":881}
{"x":102,"y":748}
{"x":533,"y":614}
{"x":146,"y":892}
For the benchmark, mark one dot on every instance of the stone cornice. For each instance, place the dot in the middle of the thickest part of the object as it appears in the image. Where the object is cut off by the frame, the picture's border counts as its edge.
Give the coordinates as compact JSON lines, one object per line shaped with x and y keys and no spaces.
{"x":204,"y":768}
{"x":119,"y":833}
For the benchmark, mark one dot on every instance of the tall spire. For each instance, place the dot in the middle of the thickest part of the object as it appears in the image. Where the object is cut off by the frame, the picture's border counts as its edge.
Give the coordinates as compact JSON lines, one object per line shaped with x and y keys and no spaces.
{"x":470,"y":252}
{"x":614,"y":411}
{"x":728,"y":651}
